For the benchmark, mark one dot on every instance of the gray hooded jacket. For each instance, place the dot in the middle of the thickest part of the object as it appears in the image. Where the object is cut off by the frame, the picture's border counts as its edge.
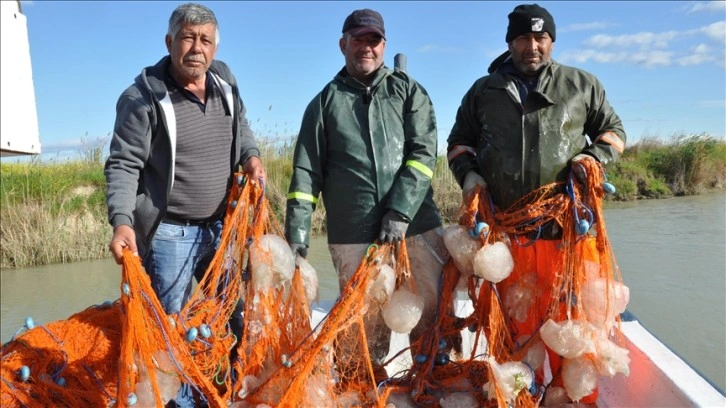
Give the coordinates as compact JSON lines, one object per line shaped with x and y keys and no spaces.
{"x":140,"y":168}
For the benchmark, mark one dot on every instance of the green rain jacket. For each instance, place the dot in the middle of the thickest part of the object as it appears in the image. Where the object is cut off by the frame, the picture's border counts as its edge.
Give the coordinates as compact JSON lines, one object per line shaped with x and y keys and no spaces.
{"x":519,"y":146}
{"x":367,"y":150}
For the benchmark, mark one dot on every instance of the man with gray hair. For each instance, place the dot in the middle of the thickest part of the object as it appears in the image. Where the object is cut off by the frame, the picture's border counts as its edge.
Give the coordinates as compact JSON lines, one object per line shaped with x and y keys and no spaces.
{"x":179,"y":137}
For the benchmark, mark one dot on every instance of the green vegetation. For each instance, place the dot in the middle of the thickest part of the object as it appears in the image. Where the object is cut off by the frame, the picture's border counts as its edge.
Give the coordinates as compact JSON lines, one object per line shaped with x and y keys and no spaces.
{"x":56,"y":212}
{"x":52,"y":213}
{"x":655,"y":169}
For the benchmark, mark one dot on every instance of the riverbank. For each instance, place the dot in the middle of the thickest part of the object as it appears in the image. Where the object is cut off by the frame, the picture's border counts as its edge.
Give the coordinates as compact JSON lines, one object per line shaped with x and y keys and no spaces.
{"x":55,"y":212}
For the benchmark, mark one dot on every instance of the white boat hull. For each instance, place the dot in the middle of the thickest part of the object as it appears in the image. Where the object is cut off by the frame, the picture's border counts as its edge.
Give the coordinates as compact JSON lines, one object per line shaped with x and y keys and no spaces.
{"x":658,"y":376}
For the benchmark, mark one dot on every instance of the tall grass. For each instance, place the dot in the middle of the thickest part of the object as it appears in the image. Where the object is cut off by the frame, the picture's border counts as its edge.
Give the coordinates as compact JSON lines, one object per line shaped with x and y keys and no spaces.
{"x":52,"y":213}
{"x":277,"y":157}
{"x":56,"y":212}
{"x":686,"y":165}
{"x":447,"y":193}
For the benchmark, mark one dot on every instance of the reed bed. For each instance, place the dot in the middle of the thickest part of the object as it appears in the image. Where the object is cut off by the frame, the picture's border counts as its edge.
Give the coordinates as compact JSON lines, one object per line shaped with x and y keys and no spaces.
{"x":52,"y":212}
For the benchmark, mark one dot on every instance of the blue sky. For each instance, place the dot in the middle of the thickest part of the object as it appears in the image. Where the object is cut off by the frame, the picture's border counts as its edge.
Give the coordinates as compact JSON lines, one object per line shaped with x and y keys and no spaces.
{"x":663,"y":64}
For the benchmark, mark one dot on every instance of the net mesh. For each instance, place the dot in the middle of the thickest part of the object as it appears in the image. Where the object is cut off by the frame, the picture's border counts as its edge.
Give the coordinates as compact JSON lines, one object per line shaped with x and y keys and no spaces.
{"x":131,"y":353}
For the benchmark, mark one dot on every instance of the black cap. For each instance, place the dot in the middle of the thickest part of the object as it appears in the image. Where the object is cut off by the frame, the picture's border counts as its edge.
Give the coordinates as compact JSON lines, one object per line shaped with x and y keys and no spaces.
{"x":530,"y":18}
{"x":364,"y":21}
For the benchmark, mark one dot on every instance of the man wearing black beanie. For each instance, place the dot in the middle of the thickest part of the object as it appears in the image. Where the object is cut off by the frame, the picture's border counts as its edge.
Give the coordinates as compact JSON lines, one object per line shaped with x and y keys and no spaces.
{"x":530,"y":18}
{"x":529,"y":123}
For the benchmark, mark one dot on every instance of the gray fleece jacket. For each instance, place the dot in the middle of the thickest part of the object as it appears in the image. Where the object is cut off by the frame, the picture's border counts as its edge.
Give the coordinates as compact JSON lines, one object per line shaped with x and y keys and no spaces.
{"x":140,"y":167}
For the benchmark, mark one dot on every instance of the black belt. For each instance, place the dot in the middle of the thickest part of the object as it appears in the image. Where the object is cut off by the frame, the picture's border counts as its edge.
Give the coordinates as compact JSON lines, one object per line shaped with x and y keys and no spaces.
{"x":176,"y":220}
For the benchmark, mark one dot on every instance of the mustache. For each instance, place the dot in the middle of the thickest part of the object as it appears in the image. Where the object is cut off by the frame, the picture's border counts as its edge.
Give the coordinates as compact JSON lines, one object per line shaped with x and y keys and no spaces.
{"x":194,"y":58}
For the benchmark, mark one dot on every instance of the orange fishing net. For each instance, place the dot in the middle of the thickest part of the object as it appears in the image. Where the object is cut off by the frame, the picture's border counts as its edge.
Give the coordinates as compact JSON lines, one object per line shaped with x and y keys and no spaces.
{"x":131,"y":353}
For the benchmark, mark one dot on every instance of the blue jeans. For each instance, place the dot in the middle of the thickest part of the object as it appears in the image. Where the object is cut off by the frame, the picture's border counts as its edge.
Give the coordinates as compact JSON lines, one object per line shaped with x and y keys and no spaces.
{"x":176,"y":254}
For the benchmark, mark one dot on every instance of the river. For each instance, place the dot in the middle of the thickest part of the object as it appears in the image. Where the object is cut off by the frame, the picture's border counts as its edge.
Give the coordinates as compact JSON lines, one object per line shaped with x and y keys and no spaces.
{"x":671,"y":253}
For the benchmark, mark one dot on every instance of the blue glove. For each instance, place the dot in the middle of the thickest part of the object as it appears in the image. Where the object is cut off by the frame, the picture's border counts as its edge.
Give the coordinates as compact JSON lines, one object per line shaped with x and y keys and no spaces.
{"x":301,"y":249}
{"x":393,"y":228}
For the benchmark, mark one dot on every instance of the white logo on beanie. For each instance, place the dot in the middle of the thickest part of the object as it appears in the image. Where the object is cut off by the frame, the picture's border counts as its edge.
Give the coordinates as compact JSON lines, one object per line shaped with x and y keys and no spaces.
{"x":537,"y":24}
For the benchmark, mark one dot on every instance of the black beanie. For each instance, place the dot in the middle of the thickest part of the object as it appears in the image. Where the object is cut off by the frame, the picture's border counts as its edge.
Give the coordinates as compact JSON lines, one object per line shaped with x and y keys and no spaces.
{"x":530,"y":18}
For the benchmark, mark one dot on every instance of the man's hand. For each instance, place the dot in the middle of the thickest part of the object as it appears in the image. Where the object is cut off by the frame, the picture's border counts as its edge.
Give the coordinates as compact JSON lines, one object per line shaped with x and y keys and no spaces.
{"x":393,"y":228}
{"x":253,"y":167}
{"x":123,"y":237}
{"x":472,"y":179}
{"x":577,"y":169}
{"x":300,"y":249}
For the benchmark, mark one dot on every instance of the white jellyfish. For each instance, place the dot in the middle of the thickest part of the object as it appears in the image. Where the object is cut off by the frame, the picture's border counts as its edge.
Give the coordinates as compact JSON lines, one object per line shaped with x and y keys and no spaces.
{"x":462,"y":248}
{"x":271,"y":262}
{"x":309,"y":277}
{"x":403,"y":310}
{"x":569,"y":339}
{"x":579,"y":375}
{"x":603,"y":301}
{"x":511,"y":378}
{"x":519,"y":298}
{"x":166,"y":376}
{"x":383,"y":285}
{"x":317,"y":391}
{"x":535,"y":354}
{"x":612,"y":358}
{"x":493,"y":262}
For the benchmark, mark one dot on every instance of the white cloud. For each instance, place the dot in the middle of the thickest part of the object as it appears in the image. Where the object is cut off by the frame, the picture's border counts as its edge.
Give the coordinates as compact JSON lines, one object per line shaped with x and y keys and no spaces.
{"x":643,"y":40}
{"x":699,"y":54}
{"x":656,"y":49}
{"x":716,"y":31}
{"x":701,"y":49}
{"x":595,"y":25}
{"x":648,"y":59}
{"x":694,"y":59}
{"x":707,"y":6}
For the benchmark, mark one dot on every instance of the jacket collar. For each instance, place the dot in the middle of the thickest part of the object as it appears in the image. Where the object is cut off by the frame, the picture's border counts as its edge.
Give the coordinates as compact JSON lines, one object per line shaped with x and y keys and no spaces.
{"x":344,"y":77}
{"x":154,"y":78}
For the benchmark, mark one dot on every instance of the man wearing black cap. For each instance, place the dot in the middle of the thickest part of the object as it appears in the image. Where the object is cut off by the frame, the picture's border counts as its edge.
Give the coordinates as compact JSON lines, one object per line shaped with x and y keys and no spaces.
{"x":527,"y":124}
{"x":368,"y":144}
